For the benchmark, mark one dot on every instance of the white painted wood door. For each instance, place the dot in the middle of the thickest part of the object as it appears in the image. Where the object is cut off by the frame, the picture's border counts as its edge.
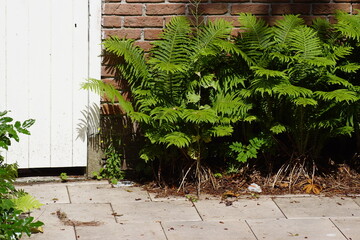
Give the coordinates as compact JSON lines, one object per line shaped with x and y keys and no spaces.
{"x":47,"y":49}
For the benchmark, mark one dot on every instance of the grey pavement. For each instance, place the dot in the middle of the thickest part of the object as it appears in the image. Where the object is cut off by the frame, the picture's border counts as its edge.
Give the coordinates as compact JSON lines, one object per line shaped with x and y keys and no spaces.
{"x":94,"y":210}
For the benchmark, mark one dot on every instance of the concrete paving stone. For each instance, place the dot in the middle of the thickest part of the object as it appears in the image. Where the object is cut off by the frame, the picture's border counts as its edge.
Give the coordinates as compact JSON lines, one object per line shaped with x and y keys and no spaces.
{"x":155,"y":211}
{"x":54,"y":233}
{"x":82,"y":213}
{"x":357,"y":200}
{"x":48,"y":193}
{"x":233,"y":230}
{"x":305,"y":207}
{"x":125,"y":231}
{"x":285,"y":229}
{"x":241,"y":209}
{"x":350,"y":227}
{"x":104,"y":193}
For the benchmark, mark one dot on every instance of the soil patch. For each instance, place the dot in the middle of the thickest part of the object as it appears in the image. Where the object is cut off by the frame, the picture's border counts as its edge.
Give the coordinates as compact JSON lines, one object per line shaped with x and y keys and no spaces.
{"x":344,"y":181}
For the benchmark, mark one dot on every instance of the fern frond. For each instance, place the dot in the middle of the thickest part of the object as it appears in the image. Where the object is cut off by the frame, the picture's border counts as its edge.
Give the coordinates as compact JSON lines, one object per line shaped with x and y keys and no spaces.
{"x":177,"y":139}
{"x":170,"y":115}
{"x":278,"y":128}
{"x":339,"y":95}
{"x":348,"y":25}
{"x":262,"y":72}
{"x":135,"y":66}
{"x":257,"y":33}
{"x":206,"y":115}
{"x":300,"y":101}
{"x":171,"y":52}
{"x":349,"y":67}
{"x":26,"y":203}
{"x":285,"y":26}
{"x":213,"y":38}
{"x":230,"y":104}
{"x":333,"y":79}
{"x":103,"y":89}
{"x":291,"y":91}
{"x":305,"y":42}
{"x":221,"y":131}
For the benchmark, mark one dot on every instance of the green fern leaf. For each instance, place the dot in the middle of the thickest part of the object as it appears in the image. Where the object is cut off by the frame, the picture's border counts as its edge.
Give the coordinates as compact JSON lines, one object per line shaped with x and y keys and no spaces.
{"x":170,"y":115}
{"x":257,"y":34}
{"x":171,"y":52}
{"x":262,"y":72}
{"x":135,"y":66}
{"x":339,"y":95}
{"x":278,"y":128}
{"x":348,"y":25}
{"x":221,"y":131}
{"x":285,"y":26}
{"x":103,"y":89}
{"x":206,"y":115}
{"x":26,"y":203}
{"x":305,"y":42}
{"x":333,"y":79}
{"x":291,"y":91}
{"x":300,"y":101}
{"x":349,"y":68}
{"x":177,"y":139}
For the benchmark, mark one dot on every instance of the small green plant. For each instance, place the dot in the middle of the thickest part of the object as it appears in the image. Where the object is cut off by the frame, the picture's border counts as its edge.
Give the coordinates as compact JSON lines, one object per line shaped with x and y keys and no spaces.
{"x":218,"y":175}
{"x":64,"y":177}
{"x":112,"y":167}
{"x":14,"y":203}
{"x":192,"y":198}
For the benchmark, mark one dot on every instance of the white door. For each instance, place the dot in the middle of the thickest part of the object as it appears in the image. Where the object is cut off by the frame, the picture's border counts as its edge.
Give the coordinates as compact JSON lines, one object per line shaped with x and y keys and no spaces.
{"x":47,"y":49}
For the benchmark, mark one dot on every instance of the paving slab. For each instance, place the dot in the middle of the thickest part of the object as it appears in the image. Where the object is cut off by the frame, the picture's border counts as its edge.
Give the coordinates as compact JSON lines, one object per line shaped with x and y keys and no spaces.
{"x":199,"y":230}
{"x":47,"y":192}
{"x":104,"y":193}
{"x":54,"y":233}
{"x":305,"y":207}
{"x":125,"y":231}
{"x":155,"y":211}
{"x":97,"y":213}
{"x":213,"y":210}
{"x":350,"y":227}
{"x":285,"y":229}
{"x":357,"y":200}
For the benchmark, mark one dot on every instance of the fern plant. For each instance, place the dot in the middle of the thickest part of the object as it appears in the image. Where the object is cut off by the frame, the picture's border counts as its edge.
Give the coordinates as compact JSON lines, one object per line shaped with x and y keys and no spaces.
{"x":298,"y":80}
{"x":182,"y":93}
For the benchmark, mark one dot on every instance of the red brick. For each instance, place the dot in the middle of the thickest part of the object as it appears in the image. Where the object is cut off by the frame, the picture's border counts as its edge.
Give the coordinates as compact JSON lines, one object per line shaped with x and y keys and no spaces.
{"x":330,"y":8}
{"x":211,"y":8}
{"x":111,"y":21}
{"x":236,"y":32}
{"x":145,"y":1}
{"x":144,"y":22}
{"x":186,"y":1}
{"x":352,"y":1}
{"x":107,"y":72}
{"x":144,"y":45}
{"x":231,"y":1}
{"x":271,"y":1}
{"x":261,"y":9}
{"x":165,"y":9}
{"x":290,"y":8}
{"x":310,"y":1}
{"x":123,"y":33}
{"x":110,"y":109}
{"x":122,"y":9}
{"x":152,"y":34}
{"x":232,"y":19}
{"x":355,"y":7}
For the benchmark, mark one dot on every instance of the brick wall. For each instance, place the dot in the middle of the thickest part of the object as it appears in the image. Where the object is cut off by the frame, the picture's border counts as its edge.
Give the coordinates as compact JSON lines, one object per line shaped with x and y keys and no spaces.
{"x":143,"y":19}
